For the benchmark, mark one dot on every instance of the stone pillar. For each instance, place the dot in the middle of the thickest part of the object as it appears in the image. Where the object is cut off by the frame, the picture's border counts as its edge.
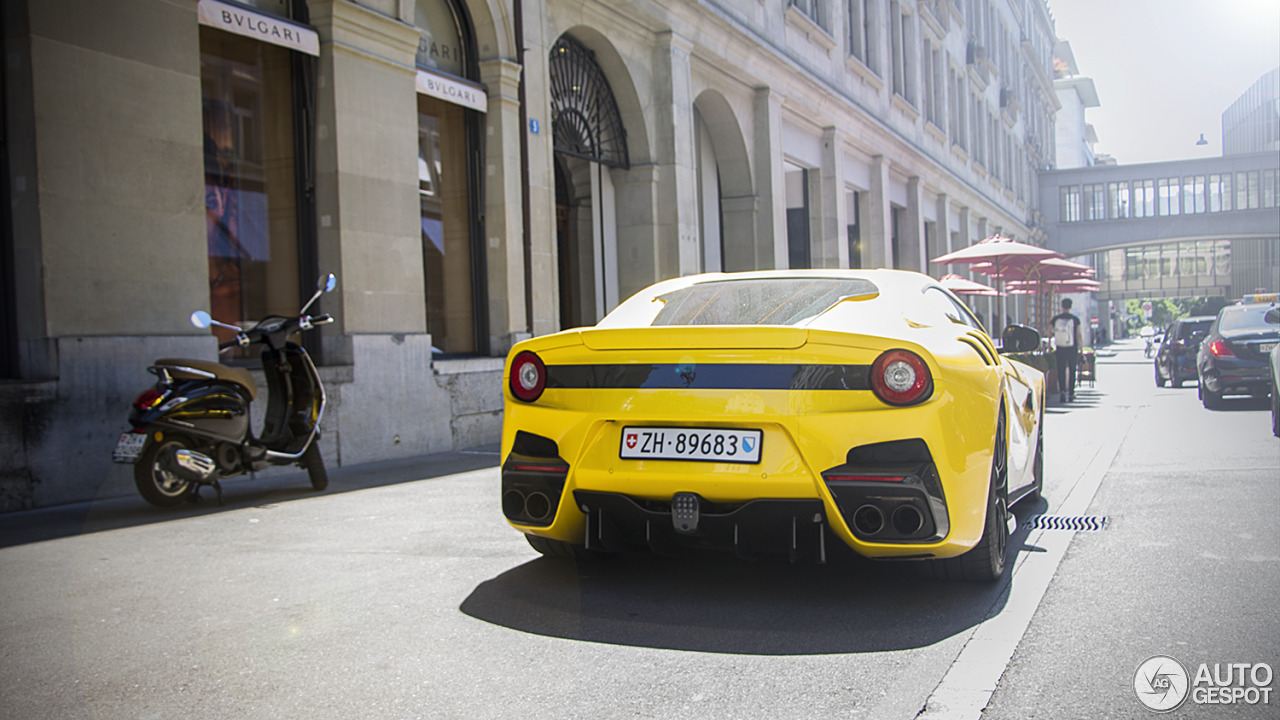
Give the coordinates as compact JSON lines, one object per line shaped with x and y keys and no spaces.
{"x":831,"y":248}
{"x":366,"y":168}
{"x":544,"y":274}
{"x":503,"y":220}
{"x":912,"y":251}
{"x":877,"y":244}
{"x":771,"y":237}
{"x":674,"y":149}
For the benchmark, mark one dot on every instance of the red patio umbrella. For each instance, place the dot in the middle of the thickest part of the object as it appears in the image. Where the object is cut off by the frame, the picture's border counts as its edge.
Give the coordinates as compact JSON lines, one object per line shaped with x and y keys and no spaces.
{"x":963,"y":286}
{"x":999,"y":251}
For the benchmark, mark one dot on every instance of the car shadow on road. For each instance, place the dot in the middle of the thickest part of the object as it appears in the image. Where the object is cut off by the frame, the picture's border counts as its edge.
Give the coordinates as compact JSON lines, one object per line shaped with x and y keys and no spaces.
{"x":719,"y":604}
{"x":28,"y":526}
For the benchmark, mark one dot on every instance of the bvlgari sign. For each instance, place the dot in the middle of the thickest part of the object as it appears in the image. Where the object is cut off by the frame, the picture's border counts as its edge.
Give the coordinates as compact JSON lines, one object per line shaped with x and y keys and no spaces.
{"x":250,"y":23}
{"x":454,"y":90}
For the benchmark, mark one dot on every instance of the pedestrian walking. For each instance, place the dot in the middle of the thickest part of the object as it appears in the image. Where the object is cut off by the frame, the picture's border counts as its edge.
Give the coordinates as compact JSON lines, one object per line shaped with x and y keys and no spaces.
{"x":1065,"y":328}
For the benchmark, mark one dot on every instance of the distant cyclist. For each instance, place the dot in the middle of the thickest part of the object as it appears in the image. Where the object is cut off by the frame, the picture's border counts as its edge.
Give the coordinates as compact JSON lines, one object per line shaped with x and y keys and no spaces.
{"x":1065,"y":328}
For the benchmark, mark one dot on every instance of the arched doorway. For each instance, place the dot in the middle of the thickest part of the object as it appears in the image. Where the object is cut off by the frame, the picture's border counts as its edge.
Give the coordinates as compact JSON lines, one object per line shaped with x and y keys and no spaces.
{"x":588,"y":138}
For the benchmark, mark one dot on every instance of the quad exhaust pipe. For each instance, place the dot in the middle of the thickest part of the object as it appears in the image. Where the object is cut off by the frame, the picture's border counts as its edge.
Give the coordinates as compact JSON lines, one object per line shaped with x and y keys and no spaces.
{"x":536,"y":506}
{"x":905,"y":520}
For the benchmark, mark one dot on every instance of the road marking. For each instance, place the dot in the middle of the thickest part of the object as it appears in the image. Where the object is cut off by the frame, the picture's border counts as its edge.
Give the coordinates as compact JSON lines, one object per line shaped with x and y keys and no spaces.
{"x":967,"y":687}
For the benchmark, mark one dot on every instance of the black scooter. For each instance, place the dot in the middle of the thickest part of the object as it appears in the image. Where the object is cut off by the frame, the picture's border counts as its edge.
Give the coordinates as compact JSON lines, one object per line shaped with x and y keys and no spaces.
{"x":192,"y":428}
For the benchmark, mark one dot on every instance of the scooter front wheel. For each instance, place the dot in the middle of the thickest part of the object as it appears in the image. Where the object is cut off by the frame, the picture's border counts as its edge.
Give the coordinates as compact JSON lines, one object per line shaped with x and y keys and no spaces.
{"x":313,"y":461}
{"x":155,"y":476}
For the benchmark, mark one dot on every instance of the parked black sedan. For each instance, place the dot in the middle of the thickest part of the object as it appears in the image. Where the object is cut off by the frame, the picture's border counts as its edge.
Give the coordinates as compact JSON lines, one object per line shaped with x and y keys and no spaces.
{"x":1176,"y":359}
{"x":1233,"y":359}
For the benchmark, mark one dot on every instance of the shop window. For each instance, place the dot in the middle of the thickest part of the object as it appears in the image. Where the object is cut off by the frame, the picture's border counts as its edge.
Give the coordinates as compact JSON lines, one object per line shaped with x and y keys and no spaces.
{"x":250,"y":203}
{"x":854,"y":228}
{"x":797,"y":188}
{"x":446,"y":237}
{"x":449,"y":194}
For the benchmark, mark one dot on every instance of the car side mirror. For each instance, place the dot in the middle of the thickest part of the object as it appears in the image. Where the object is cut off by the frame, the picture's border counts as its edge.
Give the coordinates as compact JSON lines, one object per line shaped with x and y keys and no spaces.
{"x":1019,"y":338}
{"x":1273,"y":316}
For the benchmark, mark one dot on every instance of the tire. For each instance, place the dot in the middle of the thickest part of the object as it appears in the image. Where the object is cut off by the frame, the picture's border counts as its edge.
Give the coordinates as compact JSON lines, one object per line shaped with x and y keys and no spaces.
{"x":157,"y":483}
{"x":1176,"y":381}
{"x":1275,"y":412}
{"x":985,"y":562}
{"x":1159,"y":377}
{"x":313,"y":461}
{"x":1210,"y":399}
{"x":564,"y":551}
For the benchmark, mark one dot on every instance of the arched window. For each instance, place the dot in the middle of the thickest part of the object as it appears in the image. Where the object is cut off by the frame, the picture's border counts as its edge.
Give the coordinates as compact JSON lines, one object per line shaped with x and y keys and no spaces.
{"x":584,"y":115}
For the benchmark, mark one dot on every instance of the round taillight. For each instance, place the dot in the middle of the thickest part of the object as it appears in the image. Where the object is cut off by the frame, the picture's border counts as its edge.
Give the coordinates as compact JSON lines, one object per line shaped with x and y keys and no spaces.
{"x":900,"y":377}
{"x":528,"y":377}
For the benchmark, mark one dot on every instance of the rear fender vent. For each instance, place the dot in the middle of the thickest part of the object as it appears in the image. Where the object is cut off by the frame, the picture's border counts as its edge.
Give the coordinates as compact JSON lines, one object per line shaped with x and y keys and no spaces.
{"x":979,"y":347}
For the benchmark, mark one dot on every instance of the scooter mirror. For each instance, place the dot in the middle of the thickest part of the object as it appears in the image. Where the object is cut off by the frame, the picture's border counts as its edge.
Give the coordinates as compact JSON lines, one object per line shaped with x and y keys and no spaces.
{"x":201,"y":319}
{"x":327,"y":284}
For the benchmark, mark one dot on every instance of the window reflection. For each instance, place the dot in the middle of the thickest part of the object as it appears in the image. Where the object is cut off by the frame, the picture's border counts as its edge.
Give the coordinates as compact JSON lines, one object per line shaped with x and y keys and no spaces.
{"x":249,"y":178}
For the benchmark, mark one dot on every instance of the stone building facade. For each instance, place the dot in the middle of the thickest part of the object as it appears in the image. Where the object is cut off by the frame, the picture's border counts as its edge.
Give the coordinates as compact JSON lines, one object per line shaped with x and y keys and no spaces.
{"x":474,"y":172}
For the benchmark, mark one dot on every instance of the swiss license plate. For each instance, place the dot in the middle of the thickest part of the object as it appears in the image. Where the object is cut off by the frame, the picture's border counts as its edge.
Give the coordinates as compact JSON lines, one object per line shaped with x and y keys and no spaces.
{"x":709,"y":444}
{"x":128,"y":447}
{"x":1265,"y":348}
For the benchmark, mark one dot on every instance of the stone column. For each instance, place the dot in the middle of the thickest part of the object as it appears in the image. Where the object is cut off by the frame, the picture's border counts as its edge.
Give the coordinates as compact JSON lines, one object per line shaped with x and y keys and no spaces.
{"x":366,"y":168}
{"x":877,"y":244}
{"x":912,"y":251}
{"x":771,"y":229}
{"x":677,"y":218}
{"x":831,"y":249}
{"x":504,"y":222}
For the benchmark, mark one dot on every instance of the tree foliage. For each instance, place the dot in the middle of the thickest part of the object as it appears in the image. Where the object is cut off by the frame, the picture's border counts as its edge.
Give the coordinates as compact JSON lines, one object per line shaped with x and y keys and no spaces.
{"x":1166,"y":310}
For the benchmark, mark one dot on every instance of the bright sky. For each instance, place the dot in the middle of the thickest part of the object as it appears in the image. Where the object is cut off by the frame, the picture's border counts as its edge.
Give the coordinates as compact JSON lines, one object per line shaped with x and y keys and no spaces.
{"x":1167,"y":69}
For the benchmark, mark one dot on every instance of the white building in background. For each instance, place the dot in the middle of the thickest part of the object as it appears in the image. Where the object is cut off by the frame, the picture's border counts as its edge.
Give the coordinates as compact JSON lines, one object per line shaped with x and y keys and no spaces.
{"x":1252,"y":123}
{"x":1076,"y":137}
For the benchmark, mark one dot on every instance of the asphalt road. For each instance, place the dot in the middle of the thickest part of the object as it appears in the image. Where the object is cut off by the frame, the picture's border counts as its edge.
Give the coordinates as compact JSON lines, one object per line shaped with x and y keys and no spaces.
{"x":401,"y":593}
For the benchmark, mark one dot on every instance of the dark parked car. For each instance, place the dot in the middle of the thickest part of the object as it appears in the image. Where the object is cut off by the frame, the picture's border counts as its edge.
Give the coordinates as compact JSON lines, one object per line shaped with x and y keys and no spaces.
{"x":1233,"y":358}
{"x":1273,"y":317}
{"x":1176,"y":357}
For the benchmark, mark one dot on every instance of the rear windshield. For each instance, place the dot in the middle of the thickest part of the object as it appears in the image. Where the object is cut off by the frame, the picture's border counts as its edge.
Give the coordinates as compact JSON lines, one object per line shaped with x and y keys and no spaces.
{"x":1189,"y":330}
{"x":1248,"y":317}
{"x":761,"y":301}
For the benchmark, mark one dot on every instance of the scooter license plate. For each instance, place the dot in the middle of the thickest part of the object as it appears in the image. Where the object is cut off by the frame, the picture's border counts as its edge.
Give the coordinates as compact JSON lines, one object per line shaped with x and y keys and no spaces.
{"x":129,"y":447}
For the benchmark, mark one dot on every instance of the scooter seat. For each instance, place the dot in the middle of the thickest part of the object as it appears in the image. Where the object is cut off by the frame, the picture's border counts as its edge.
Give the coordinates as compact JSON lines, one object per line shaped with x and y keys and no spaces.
{"x":182,"y":367}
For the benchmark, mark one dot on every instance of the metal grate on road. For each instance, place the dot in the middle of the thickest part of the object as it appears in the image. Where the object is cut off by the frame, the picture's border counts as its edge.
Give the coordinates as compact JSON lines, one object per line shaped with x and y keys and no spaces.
{"x":1058,"y":522}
